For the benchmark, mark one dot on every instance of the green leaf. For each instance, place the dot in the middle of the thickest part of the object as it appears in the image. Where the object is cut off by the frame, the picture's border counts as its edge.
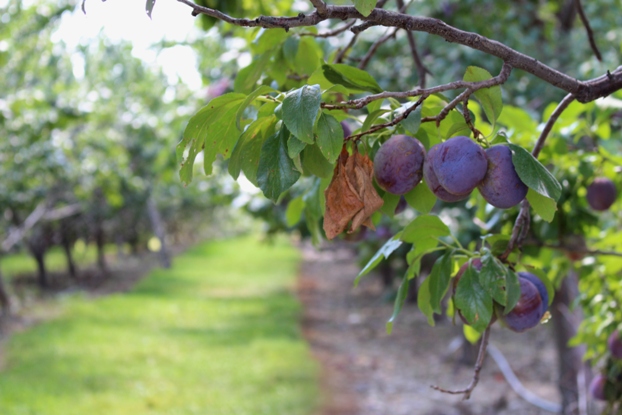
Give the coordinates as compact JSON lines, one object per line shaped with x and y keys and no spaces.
{"x":245,"y":155}
{"x":384,"y":252}
{"x":512,"y":286}
{"x":543,"y":206}
{"x":314,"y":202}
{"x":294,"y":146}
{"x":329,"y":136}
{"x":267,"y":40}
{"x":424,"y":227}
{"x":412,"y":123}
{"x":149,"y":7}
{"x":314,"y":162}
{"x":492,"y":277}
{"x":276,"y":172}
{"x":247,"y":77}
{"x":390,"y":203}
{"x":365,"y":7}
{"x":294,"y":211}
{"x":473,"y":301}
{"x":400,"y":299}
{"x":213,"y":128}
{"x":372,"y":117}
{"x":471,"y":334}
{"x":421,"y":198}
{"x":307,"y":58}
{"x":439,"y":281}
{"x":261,"y":90}
{"x":489,"y":98}
{"x":534,"y":174}
{"x":350,"y":77}
{"x":300,"y":108}
{"x":290,"y":50}
{"x":423,"y":301}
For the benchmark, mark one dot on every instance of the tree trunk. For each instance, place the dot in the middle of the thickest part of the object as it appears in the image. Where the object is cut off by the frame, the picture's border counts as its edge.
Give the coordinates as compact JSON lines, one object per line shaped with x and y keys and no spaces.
{"x":565,"y":323}
{"x":100,"y":241}
{"x":42,"y":275}
{"x":71,"y":265}
{"x":158,"y":228}
{"x":5,"y":302}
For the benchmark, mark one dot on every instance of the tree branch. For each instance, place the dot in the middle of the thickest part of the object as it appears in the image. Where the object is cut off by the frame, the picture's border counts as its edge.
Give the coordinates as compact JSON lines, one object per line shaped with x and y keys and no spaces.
{"x":372,"y":50}
{"x":478,"y":367}
{"x":521,"y":226}
{"x":584,"y":91}
{"x":588,"y":29}
{"x":319,"y":5}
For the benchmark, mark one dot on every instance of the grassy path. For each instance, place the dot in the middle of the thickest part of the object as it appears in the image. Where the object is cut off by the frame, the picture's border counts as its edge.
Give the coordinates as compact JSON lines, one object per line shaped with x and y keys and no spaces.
{"x":216,"y":334}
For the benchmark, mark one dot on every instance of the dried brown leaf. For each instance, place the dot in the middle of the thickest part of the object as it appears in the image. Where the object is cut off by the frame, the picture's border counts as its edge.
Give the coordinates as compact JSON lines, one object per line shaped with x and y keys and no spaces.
{"x":351,"y":195}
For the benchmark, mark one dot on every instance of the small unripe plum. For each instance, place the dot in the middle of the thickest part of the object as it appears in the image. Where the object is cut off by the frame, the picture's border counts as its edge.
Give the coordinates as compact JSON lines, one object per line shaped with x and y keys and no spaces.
{"x":432,"y":181}
{"x":544,"y":295}
{"x":398,"y":164}
{"x":597,"y":387}
{"x":527,"y":312}
{"x":601,"y":194}
{"x":614,"y":343}
{"x":459,"y":165}
{"x":501,"y":186}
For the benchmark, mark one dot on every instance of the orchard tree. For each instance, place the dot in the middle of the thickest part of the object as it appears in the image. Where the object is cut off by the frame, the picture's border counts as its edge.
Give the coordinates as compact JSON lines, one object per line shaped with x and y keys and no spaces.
{"x":346,"y":106}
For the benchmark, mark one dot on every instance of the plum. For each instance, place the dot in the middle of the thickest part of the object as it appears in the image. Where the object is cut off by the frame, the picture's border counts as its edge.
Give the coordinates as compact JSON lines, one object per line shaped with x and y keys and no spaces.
{"x":601,"y":194}
{"x":460,"y":164}
{"x":398,"y":164}
{"x":401,"y":206}
{"x":527,"y":312}
{"x":501,"y":186}
{"x":432,"y":182}
{"x":544,"y":295}
{"x":346,"y":129}
{"x":614,"y":344}
{"x":597,"y":387}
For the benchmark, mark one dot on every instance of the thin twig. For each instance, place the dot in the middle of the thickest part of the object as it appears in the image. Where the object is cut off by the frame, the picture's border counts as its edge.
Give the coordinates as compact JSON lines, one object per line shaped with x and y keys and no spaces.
{"x":372,"y":50}
{"x":478,"y":367}
{"x":342,"y":53}
{"x":563,"y":104}
{"x":521,"y":226}
{"x":421,"y":69}
{"x":395,"y":121}
{"x":319,"y":5}
{"x":424,"y":92}
{"x":588,"y":29}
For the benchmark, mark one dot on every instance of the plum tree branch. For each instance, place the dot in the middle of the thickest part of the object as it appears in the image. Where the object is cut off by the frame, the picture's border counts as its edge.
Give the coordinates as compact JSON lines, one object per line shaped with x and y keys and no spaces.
{"x":588,"y":29}
{"x":584,"y":91}
{"x":372,"y":50}
{"x":466,"y":392}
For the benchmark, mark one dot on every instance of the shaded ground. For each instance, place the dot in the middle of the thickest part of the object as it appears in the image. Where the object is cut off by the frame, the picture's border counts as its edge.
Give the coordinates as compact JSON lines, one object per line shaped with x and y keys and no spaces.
{"x":367,"y":372}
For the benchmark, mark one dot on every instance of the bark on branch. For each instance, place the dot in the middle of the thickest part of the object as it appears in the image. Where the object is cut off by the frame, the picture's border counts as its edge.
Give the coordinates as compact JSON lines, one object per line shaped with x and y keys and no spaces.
{"x":584,"y":91}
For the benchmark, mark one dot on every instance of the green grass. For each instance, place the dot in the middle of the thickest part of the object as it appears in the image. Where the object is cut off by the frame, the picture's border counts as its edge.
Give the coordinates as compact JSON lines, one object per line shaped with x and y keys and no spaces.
{"x":216,"y":334}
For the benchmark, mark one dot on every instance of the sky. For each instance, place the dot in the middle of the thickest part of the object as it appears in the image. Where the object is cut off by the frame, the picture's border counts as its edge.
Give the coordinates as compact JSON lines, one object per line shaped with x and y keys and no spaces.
{"x":127,"y":20}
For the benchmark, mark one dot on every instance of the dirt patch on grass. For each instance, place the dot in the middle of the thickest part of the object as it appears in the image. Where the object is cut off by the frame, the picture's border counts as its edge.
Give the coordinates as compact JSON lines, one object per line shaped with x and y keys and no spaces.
{"x":367,"y":372}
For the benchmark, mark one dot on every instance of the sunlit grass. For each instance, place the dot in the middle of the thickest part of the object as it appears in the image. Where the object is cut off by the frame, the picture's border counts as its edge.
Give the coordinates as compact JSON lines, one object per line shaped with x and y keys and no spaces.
{"x":216,"y":334}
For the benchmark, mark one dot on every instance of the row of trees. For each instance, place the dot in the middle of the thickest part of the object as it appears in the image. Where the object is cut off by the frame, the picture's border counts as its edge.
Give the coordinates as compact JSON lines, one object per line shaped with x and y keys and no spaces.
{"x":87,"y":145}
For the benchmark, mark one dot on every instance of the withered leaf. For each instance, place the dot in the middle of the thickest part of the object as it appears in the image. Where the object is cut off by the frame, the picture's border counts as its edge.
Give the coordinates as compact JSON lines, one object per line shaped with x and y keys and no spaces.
{"x":351,"y":195}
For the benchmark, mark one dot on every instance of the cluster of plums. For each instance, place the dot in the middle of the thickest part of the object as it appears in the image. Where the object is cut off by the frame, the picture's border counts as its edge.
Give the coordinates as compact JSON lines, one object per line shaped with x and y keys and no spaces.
{"x":530,"y":308}
{"x":604,"y":387}
{"x":452,"y":169}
